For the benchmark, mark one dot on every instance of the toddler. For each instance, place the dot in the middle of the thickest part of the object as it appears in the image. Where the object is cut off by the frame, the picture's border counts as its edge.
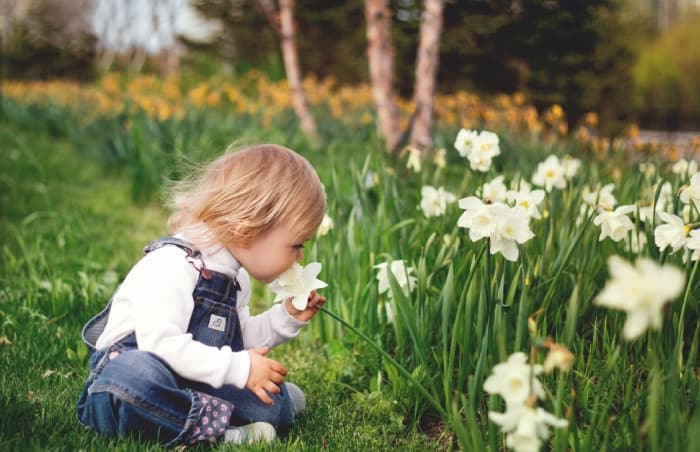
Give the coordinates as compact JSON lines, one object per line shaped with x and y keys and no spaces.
{"x":176,"y":356}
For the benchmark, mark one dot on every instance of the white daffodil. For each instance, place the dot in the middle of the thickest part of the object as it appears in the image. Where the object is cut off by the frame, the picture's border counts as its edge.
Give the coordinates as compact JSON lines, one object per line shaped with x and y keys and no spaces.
{"x":488,"y":144}
{"x":614,"y":224}
{"x":526,"y":428}
{"x":641,"y":290}
{"x":693,"y":244}
{"x":297,"y":282}
{"x":494,"y":191}
{"x":601,"y":197}
{"x":526,"y":425}
{"x":326,"y":225}
{"x":638,"y":242}
{"x":402,"y":274}
{"x":691,"y":193}
{"x":512,"y":227}
{"x":687,"y":213}
{"x":504,"y":226}
{"x":527,"y":200}
{"x":439,"y":158}
{"x":645,"y":212}
{"x":466,"y":141}
{"x":549,"y":174}
{"x":672,"y":233}
{"x":524,"y":438}
{"x":685,"y":168}
{"x":648,"y":169}
{"x":414,"y":159}
{"x":434,"y":201}
{"x":571,"y":166}
{"x":509,"y":420}
{"x":371,"y":179}
{"x":663,"y":203}
{"x":532,"y":429}
{"x":479,"y":148}
{"x":515,"y":380}
{"x":519,"y":184}
{"x":479,"y":162}
{"x":665,"y":195}
{"x":477,"y":217}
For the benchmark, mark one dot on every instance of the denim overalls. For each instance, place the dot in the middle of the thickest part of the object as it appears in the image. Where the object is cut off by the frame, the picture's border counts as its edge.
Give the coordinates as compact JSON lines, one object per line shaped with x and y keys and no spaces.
{"x":129,"y":391}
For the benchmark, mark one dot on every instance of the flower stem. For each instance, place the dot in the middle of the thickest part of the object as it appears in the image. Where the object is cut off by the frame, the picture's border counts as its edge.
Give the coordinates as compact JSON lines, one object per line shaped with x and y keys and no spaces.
{"x":402,"y":370}
{"x":686,"y":296}
{"x":488,"y":278}
{"x":655,"y":393}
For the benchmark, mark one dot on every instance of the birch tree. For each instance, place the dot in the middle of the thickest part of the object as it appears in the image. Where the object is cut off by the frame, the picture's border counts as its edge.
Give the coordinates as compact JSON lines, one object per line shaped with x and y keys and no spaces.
{"x":267,"y":7}
{"x":291,"y":67}
{"x":427,"y":59}
{"x":380,"y":58}
{"x":282,"y":23}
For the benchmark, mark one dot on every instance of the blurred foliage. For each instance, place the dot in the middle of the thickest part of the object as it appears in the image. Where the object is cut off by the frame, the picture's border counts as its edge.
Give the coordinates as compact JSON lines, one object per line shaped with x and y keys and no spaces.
{"x":563,"y":49}
{"x":151,"y":125}
{"x":555,"y":42}
{"x":608,"y":87}
{"x":666,"y":75}
{"x":47,"y":38}
{"x":466,"y":310}
{"x":577,"y":54}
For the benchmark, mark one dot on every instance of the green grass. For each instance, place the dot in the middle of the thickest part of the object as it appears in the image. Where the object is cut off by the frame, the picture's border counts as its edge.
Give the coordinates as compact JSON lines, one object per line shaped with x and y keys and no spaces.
{"x":71,"y":230}
{"x":69,"y":233}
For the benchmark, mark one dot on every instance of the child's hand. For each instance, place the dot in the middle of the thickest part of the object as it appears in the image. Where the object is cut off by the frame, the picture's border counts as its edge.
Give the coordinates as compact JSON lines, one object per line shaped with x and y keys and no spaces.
{"x":265,"y":374}
{"x":315,"y":302}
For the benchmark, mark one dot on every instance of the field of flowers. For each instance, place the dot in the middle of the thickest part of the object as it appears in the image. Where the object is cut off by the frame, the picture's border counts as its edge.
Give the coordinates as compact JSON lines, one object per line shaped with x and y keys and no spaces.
{"x":528,"y":287}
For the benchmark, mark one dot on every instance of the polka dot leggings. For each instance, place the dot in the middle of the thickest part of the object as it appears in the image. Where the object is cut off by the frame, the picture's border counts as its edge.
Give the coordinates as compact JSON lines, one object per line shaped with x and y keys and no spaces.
{"x":213,"y":419}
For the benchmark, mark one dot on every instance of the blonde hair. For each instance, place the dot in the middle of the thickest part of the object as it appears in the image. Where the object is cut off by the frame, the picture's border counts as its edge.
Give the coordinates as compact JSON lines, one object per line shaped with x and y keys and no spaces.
{"x":244,"y":194}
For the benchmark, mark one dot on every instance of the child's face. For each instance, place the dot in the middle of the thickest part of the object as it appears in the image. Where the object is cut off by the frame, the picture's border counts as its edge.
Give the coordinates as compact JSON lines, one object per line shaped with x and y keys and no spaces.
{"x":270,"y":255}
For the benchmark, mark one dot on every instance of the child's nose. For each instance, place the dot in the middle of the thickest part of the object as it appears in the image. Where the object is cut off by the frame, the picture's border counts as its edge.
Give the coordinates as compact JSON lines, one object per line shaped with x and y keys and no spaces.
{"x":300,"y":255}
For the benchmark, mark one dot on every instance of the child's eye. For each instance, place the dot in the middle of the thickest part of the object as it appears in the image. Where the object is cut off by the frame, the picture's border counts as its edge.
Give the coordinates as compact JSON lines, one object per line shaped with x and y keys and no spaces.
{"x":298,"y":246}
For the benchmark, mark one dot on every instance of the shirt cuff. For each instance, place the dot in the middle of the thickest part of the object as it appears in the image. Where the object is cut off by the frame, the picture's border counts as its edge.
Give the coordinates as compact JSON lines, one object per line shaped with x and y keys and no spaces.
{"x":286,"y":321}
{"x":239,"y":369}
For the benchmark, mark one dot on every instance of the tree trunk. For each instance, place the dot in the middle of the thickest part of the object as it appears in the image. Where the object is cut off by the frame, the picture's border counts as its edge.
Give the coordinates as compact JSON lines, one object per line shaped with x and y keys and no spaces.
{"x":380,"y":56}
{"x":267,"y":7}
{"x":426,"y":71}
{"x":169,"y":60}
{"x":291,"y":66}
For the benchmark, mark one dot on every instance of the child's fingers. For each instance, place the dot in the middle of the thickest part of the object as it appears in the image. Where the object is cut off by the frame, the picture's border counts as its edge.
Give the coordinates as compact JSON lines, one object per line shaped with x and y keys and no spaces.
{"x":276,"y":378}
{"x":277,"y":367}
{"x":316,"y":300}
{"x":262,"y":395}
{"x":272,"y":388}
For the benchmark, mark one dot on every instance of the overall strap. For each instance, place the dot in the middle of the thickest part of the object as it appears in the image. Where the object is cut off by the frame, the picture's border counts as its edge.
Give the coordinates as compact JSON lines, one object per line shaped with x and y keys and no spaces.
{"x":194,"y":256}
{"x":160,"y":243}
{"x":94,"y":327}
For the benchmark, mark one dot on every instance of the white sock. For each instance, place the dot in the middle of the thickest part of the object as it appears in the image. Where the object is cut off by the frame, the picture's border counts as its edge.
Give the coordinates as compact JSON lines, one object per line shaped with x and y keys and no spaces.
{"x":251,"y":433}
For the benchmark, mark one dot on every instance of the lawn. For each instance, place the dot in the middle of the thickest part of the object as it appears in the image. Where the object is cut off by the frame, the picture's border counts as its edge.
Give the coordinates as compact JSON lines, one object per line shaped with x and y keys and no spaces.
{"x":455,"y":280}
{"x":69,"y":233}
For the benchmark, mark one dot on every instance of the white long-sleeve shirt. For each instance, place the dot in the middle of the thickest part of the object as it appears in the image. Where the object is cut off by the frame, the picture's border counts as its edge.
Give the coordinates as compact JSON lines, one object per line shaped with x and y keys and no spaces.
{"x":155,"y":302}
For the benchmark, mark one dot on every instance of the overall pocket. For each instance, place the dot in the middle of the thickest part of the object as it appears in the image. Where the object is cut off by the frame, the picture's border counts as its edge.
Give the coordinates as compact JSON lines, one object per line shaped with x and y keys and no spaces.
{"x":213,"y":323}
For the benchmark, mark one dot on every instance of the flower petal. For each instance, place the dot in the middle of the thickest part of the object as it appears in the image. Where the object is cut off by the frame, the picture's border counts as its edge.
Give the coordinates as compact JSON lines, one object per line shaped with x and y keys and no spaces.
{"x":300,"y":302}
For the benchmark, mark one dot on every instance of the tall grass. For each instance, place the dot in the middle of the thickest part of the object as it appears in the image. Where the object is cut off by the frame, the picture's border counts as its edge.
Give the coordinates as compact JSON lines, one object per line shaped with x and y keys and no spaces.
{"x":470,"y":309}
{"x":68,"y":234}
